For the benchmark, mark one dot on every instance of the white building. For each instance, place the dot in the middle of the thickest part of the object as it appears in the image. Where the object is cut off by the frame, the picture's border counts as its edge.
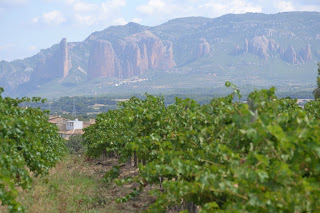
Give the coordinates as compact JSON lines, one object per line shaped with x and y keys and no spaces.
{"x":68,"y":128}
{"x":76,"y":124}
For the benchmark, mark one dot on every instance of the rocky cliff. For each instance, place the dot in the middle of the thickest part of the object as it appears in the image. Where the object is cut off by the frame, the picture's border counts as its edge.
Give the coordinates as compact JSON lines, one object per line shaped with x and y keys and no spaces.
{"x":225,"y":47}
{"x":64,"y":62}
{"x":103,"y":61}
{"x":306,"y":53}
{"x":131,"y":56}
{"x":203,"y":48}
{"x":266,"y":47}
{"x":290,"y":56}
{"x":259,"y":45}
{"x":54,"y":65}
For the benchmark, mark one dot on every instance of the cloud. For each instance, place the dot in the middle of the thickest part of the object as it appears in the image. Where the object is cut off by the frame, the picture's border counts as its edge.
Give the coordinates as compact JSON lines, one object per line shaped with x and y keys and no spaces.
{"x":310,"y":8}
{"x":84,"y":7}
{"x":235,"y":6}
{"x":54,"y":17}
{"x":84,"y":13}
{"x":163,"y":10}
{"x":306,"y":5}
{"x":113,"y":4}
{"x":275,"y":6}
{"x":312,"y":2}
{"x":33,"y":48}
{"x":152,"y":6}
{"x":284,"y":6}
{"x":158,"y":11}
{"x":119,"y":21}
{"x":136,"y":20}
{"x":90,"y":14}
{"x":84,"y":20}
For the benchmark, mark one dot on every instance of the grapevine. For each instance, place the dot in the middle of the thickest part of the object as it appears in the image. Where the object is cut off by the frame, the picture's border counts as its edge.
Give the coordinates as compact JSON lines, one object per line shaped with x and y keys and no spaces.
{"x":28,"y":143}
{"x":225,"y":156}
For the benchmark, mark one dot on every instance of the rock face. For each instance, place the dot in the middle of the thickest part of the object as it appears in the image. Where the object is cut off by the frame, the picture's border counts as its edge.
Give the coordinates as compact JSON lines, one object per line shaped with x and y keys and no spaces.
{"x":273,"y":47}
{"x":266,"y":48}
{"x":290,"y":56}
{"x":259,"y":45}
{"x":102,"y":61}
{"x":262,"y":46}
{"x":53,"y":66}
{"x":203,"y":48}
{"x":246,"y":46}
{"x":259,"y":41}
{"x":64,"y":61}
{"x":306,"y":53}
{"x":10,"y":78}
{"x":131,"y":56}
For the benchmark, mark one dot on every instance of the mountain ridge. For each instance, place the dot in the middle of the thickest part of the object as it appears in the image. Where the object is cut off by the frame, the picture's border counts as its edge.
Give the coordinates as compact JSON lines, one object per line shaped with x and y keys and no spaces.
{"x":267,"y":47}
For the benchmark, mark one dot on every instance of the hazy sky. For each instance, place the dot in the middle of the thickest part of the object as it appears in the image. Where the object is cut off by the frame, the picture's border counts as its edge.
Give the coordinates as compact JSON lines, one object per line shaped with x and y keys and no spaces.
{"x":30,"y":25}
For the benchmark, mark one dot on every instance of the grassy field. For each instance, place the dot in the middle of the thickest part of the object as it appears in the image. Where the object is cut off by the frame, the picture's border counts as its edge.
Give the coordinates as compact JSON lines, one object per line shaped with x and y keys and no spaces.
{"x":75,"y":185}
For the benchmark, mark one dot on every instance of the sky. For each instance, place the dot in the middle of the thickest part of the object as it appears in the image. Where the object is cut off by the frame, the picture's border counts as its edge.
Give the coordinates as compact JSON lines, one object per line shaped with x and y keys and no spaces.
{"x":30,"y":25}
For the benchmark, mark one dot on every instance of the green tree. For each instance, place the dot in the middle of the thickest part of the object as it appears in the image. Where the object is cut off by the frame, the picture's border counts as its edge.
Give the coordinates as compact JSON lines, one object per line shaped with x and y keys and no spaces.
{"x":316,"y":91}
{"x":74,"y":144}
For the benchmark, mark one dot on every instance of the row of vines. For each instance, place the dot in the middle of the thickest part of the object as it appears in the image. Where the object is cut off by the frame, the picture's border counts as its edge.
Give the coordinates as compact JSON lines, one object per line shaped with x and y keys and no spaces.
{"x":29,"y":145}
{"x":225,"y":156}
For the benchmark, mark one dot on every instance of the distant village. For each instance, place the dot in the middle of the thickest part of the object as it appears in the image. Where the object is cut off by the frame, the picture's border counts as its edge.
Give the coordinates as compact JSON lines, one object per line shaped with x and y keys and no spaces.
{"x":68,"y":128}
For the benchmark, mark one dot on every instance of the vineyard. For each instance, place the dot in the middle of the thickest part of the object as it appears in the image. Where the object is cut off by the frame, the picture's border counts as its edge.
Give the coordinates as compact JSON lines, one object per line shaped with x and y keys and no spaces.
{"x":29,"y":145}
{"x":225,"y":156}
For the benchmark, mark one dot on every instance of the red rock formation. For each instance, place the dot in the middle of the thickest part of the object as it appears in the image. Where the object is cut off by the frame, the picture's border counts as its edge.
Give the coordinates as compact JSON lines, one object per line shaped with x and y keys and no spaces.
{"x":167,"y":61}
{"x":290,"y":56}
{"x":130,"y":57}
{"x":306,"y":53}
{"x":155,"y":53}
{"x":160,"y":55}
{"x":273,"y":46}
{"x":102,"y":61}
{"x":53,"y":66}
{"x":132,"y":51}
{"x":146,"y":51}
{"x":203,"y":48}
{"x":260,"y":46}
{"x":238,"y":50}
{"x":63,"y":57}
{"x":144,"y":57}
{"x":246,"y":46}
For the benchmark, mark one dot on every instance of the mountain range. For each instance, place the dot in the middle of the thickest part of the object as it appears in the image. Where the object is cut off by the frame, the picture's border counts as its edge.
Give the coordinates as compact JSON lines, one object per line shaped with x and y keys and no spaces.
{"x":195,"y":52}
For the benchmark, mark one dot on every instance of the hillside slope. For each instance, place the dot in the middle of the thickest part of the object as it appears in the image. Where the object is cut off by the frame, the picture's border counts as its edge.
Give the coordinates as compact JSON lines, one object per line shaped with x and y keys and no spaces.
{"x":249,"y":49}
